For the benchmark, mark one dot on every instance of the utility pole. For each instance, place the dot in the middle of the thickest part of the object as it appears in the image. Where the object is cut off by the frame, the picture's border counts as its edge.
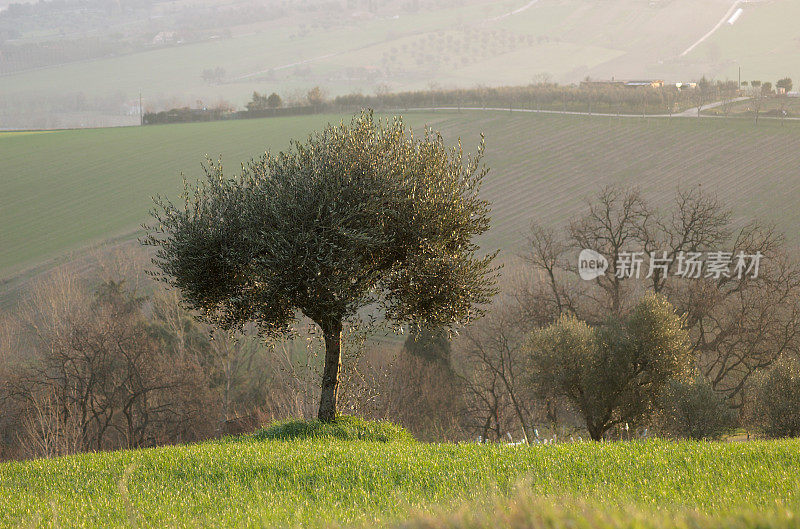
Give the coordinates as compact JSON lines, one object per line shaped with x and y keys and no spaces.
{"x":141,"y":110}
{"x":739,"y":87}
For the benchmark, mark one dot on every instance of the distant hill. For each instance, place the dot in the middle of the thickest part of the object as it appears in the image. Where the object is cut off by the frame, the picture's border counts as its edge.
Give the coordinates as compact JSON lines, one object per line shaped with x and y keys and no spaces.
{"x":458,"y":44}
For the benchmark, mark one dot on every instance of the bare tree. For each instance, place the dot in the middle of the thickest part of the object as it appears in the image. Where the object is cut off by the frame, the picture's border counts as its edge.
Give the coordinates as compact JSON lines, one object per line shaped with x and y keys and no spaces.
{"x":611,"y":227}
{"x":738,"y":323}
{"x":491,"y":349}
{"x":548,"y":254}
{"x":696,"y":223}
{"x":48,"y":428}
{"x":757,"y":98}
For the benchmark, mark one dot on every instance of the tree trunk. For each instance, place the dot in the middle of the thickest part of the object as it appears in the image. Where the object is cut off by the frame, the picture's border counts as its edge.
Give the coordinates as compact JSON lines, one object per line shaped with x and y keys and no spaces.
{"x":595,"y":432}
{"x":330,"y":376}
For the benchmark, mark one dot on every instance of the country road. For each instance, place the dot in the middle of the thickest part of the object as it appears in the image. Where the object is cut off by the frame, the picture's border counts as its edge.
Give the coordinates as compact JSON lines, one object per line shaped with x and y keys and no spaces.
{"x":690,"y":113}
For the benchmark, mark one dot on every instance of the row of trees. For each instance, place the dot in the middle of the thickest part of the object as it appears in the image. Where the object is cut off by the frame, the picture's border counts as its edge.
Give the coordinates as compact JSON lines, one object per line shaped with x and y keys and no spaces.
{"x":760,"y":92}
{"x":765,"y":88}
{"x":105,"y":367}
{"x":588,"y":97}
{"x":260,"y":105}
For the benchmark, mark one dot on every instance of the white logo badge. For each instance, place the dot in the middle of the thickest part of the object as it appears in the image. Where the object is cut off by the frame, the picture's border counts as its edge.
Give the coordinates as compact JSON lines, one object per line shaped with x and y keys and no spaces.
{"x":591,"y":265}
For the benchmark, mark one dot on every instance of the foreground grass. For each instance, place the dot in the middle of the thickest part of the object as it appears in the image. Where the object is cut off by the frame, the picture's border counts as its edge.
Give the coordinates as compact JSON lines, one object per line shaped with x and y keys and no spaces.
{"x":250,"y":482}
{"x":526,"y":511}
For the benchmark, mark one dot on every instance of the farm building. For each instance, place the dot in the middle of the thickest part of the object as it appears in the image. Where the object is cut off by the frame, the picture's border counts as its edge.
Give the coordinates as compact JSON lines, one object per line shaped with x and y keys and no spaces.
{"x":615,"y":83}
{"x":601,"y":84}
{"x":647,"y":84}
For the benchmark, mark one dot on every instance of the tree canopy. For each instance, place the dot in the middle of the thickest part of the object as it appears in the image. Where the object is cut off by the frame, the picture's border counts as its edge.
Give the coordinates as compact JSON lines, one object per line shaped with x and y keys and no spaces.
{"x":358,"y":214}
{"x":611,"y":373}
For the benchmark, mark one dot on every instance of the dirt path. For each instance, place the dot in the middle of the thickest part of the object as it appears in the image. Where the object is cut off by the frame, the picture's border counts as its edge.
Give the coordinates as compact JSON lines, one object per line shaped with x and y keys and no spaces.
{"x":516,"y":11}
{"x":692,"y":112}
{"x":284,"y":66}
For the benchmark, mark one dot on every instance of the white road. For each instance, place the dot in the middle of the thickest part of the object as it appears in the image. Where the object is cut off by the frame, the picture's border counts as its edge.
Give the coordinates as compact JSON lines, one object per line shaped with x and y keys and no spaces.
{"x":284,"y":66}
{"x":516,"y":11}
{"x":690,"y":113}
{"x":722,"y":21}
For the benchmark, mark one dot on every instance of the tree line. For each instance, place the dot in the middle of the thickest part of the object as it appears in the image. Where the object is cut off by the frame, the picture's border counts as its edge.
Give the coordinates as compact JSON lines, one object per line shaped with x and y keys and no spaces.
{"x":585,"y":98}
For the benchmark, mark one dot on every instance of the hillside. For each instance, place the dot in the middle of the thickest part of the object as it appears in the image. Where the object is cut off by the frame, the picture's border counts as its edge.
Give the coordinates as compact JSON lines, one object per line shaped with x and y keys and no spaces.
{"x":313,"y":483}
{"x":456,"y":44}
{"x":64,"y":190}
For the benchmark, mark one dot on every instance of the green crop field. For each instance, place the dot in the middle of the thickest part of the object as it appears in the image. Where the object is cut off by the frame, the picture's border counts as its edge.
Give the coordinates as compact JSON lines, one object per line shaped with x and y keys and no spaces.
{"x":65,"y":190}
{"x":252,"y":482}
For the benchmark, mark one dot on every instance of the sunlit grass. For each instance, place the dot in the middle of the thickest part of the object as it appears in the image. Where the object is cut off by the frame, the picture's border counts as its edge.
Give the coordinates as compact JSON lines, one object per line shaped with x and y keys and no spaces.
{"x":250,"y":482}
{"x":10,"y":133}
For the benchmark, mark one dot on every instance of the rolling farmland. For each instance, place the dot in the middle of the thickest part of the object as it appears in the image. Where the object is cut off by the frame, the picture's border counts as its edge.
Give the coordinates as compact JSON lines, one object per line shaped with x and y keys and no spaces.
{"x":65,"y":190}
{"x":68,"y":188}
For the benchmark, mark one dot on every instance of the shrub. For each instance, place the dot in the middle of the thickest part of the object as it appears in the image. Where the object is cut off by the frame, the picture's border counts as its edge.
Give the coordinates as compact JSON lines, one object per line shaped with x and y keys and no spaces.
{"x":692,"y":409}
{"x":776,"y":406}
{"x":344,"y":428}
{"x":614,"y":373}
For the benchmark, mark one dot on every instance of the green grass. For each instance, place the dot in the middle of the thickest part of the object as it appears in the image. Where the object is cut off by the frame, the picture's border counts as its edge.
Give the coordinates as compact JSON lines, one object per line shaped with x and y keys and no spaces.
{"x":65,"y":190}
{"x":313,"y":483}
{"x":344,"y":428}
{"x":527,"y":511}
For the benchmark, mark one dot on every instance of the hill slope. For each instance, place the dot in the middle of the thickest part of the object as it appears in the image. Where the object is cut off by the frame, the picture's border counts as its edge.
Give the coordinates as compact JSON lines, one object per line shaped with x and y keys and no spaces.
{"x":64,"y":190}
{"x":463,"y":44}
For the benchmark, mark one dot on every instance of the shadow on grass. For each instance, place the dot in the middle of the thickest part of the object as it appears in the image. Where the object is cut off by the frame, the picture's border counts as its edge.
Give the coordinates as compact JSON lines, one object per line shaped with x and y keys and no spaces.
{"x":344,"y":428}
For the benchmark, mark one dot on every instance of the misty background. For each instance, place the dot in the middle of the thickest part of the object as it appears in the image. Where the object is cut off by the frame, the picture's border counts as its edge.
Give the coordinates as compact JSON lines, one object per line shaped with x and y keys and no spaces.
{"x":84,"y":63}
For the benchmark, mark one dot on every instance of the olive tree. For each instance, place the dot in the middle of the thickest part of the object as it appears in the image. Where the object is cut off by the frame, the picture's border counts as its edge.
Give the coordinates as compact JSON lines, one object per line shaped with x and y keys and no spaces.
{"x":691,"y":409}
{"x":776,"y":407}
{"x":358,"y":215}
{"x":612,"y":373}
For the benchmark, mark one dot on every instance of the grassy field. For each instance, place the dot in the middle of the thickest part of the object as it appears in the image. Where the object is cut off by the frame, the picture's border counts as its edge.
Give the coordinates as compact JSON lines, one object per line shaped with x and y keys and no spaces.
{"x":315,"y":482}
{"x":68,"y":189}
